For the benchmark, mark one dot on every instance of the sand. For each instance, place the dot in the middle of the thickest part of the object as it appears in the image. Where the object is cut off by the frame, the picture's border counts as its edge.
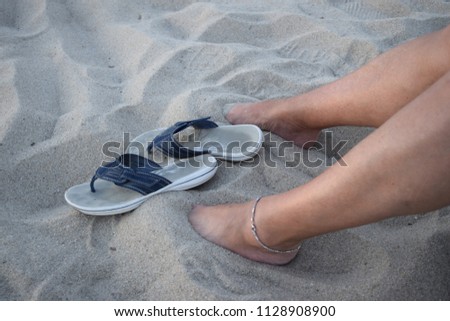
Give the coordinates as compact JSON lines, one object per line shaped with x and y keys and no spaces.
{"x":77,"y":74}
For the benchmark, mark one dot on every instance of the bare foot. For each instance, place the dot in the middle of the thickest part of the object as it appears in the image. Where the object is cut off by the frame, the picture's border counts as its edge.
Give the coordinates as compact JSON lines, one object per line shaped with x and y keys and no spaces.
{"x":230,"y":227}
{"x":281,"y":117}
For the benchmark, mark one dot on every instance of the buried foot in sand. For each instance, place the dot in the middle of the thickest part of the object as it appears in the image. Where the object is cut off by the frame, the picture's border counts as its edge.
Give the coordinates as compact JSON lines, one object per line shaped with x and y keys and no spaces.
{"x":229,"y":226}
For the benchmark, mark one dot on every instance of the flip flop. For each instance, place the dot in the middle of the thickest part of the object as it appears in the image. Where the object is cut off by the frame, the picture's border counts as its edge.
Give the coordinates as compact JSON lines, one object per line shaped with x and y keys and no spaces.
{"x":227,"y":142}
{"x":127,"y":182}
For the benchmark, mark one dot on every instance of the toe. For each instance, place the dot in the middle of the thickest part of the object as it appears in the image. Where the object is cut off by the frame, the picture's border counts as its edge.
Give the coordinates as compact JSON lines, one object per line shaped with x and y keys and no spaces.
{"x":226,"y":109}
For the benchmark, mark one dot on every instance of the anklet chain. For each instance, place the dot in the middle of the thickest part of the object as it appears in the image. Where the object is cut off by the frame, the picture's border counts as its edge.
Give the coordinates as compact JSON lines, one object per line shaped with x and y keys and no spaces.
{"x":258,"y":239}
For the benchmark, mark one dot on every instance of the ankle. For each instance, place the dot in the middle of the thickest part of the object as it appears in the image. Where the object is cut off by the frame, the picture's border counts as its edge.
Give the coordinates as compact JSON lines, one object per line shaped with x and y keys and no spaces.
{"x":298,"y":111}
{"x":268,"y":233}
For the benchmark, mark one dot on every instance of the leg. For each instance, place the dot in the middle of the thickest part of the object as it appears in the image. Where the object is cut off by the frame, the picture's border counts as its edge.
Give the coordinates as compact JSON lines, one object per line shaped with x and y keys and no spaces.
{"x":367,"y":97}
{"x":400,"y":169}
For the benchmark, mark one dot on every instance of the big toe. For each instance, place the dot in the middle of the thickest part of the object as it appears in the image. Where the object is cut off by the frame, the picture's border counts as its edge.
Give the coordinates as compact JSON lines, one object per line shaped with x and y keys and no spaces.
{"x":194,"y":216}
{"x":200,"y":221}
{"x":237,"y":113}
{"x":226,"y":109}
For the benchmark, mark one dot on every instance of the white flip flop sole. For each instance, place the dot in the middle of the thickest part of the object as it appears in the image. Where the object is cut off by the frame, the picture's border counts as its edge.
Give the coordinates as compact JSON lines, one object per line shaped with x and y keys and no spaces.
{"x":110,"y":199}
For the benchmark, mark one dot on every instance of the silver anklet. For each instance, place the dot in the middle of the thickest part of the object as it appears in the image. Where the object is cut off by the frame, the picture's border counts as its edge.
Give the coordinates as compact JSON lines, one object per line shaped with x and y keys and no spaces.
{"x":259,"y":241}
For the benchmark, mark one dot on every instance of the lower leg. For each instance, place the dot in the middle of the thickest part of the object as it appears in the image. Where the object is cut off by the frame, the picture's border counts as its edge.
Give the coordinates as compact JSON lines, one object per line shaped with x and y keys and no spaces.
{"x":400,"y":169}
{"x":366,"y":97}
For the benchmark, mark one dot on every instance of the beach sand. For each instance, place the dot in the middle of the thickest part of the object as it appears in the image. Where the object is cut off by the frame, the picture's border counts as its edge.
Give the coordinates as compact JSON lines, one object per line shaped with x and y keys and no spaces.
{"x":78,"y":74}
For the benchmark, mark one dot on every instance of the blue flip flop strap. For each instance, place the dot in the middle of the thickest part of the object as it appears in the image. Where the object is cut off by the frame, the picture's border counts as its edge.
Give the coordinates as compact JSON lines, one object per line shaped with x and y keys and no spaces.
{"x":166,"y":142}
{"x":133,"y":172}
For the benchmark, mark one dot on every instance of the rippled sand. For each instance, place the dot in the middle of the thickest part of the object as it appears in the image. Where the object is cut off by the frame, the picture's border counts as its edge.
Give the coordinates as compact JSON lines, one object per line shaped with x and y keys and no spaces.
{"x":77,"y":74}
